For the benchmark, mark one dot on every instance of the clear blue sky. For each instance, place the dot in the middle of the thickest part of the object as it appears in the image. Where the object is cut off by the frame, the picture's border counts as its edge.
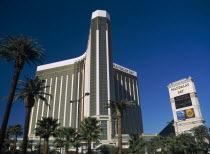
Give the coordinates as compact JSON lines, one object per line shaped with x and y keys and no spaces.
{"x":162,"y":40}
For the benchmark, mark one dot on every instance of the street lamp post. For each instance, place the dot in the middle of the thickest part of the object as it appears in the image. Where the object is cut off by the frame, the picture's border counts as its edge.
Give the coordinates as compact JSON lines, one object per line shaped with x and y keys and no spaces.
{"x":74,"y":101}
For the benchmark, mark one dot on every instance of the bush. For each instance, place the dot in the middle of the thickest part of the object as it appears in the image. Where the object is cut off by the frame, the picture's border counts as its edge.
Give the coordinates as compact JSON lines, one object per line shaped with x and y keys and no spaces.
{"x":108,"y":149}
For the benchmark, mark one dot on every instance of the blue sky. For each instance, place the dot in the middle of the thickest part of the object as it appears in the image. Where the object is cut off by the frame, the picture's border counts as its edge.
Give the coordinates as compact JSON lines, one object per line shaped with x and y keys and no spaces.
{"x":163,"y":41}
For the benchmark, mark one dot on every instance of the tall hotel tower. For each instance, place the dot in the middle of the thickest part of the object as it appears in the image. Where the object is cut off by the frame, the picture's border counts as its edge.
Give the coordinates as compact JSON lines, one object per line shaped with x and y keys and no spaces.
{"x":94,"y":73}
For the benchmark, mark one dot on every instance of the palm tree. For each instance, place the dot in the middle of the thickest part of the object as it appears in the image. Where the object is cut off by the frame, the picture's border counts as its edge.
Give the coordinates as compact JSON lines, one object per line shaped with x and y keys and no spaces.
{"x":76,"y":141}
{"x":157,"y":142}
{"x":171,"y":143}
{"x":15,"y":130}
{"x":137,"y":144}
{"x":49,"y":127}
{"x":29,"y":91}
{"x":186,"y":142}
{"x":108,"y":149}
{"x":58,"y":143}
{"x":30,"y":145}
{"x":21,"y":49}
{"x":90,"y":131}
{"x":151,"y":146}
{"x":66,"y":137}
{"x":119,"y":107}
{"x":39,"y":132}
{"x":201,"y":135}
{"x":6,"y":144}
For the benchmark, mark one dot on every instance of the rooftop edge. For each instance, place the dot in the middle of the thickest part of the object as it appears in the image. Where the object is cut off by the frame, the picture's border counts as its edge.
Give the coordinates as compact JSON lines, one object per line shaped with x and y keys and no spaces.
{"x":100,"y":13}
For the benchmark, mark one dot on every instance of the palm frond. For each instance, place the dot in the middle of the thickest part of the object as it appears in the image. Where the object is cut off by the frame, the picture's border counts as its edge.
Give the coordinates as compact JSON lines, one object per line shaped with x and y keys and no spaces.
{"x":12,"y":47}
{"x":32,"y":88}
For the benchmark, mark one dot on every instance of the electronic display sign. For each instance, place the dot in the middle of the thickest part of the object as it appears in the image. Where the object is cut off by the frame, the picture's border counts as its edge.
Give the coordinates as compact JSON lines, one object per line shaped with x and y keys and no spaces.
{"x":182,"y":101}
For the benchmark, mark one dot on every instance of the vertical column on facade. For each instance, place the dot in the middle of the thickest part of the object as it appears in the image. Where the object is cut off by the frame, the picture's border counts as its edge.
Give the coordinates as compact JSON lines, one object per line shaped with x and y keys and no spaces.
{"x":123,"y":98}
{"x":137,"y":90}
{"x":59,"y":108}
{"x":37,"y":111}
{"x":140,"y":128}
{"x":66,"y":91}
{"x":50,"y":109}
{"x":49,"y":98}
{"x":43,"y":103}
{"x":72,"y":88}
{"x":97,"y":73}
{"x":108,"y":75}
{"x":126,"y":89}
{"x":32,"y":113}
{"x":136,"y":106}
{"x":83,"y":93}
{"x":68,"y":98}
{"x":87,"y":79}
{"x":75,"y":96}
{"x":118,"y":87}
{"x":122,"y":93}
{"x":130,"y":109}
{"x":77,"y":109}
{"x":53,"y":115}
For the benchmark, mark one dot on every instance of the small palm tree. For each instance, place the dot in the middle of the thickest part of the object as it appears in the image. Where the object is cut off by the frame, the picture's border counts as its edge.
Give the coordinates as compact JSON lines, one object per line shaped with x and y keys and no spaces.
{"x":58,"y":143}
{"x":30,"y":90}
{"x":119,"y":107}
{"x":137,"y":144}
{"x":90,"y":131}
{"x":14,"y":130}
{"x":158,"y":142}
{"x":76,"y":141}
{"x":49,"y":127}
{"x":7,"y":142}
{"x":66,"y":137}
{"x":21,"y":50}
{"x":39,"y":132}
{"x":152,"y":146}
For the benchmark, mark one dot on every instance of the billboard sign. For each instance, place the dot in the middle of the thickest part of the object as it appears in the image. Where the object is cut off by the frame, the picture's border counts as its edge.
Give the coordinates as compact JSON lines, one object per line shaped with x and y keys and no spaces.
{"x":181,"y":115}
{"x":185,"y":114}
{"x":190,"y":113}
{"x":181,"y":89}
{"x":182,"y":101}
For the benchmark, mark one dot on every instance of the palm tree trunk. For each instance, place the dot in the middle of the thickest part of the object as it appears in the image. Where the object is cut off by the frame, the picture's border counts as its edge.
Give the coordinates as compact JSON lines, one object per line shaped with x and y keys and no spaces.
{"x":66,"y":150}
{"x":26,"y":127}
{"x":39,"y":145}
{"x":77,"y":149}
{"x":46,"y":147}
{"x":14,"y":148}
{"x":89,"y":147}
{"x":119,"y":130}
{"x":9,"y":105}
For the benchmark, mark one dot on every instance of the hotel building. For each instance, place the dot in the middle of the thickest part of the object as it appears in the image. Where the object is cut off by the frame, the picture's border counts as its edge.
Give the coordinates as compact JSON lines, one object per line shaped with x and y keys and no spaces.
{"x":95,"y":74}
